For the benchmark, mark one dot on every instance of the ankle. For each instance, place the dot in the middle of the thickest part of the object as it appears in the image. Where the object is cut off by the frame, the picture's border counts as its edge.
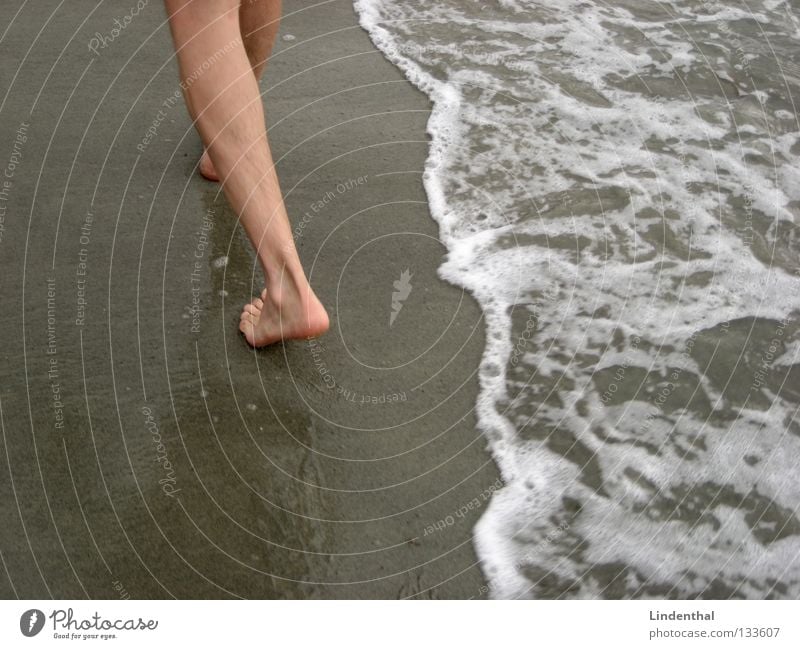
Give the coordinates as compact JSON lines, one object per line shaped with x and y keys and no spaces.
{"x":287,"y":285}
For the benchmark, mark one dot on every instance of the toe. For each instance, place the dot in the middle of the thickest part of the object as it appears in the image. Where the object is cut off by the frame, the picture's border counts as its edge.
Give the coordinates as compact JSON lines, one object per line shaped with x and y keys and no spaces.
{"x":264,"y":294}
{"x":258,"y":303}
{"x":247,"y":327}
{"x":252,"y":309}
{"x":207,"y":168}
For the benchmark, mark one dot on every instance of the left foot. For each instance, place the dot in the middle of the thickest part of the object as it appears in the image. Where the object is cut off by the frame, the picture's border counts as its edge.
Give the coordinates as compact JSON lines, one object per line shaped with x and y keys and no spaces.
{"x":300,"y":315}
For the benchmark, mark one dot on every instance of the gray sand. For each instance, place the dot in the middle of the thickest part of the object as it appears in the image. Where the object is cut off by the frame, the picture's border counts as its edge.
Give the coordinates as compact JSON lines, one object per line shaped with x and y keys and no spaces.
{"x":150,"y":453}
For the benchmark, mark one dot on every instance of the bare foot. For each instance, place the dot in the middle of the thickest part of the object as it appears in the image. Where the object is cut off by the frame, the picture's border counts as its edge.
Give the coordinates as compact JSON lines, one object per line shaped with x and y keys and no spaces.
{"x":301,"y":315}
{"x":207,"y":168}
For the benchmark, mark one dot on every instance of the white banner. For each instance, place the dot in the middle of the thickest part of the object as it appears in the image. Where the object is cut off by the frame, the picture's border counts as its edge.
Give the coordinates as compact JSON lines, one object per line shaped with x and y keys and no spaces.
{"x":389,"y":624}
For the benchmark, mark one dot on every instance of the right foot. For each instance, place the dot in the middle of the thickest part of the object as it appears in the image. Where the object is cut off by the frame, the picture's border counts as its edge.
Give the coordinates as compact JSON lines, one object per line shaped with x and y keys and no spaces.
{"x":301,"y":315}
{"x":207,"y":168}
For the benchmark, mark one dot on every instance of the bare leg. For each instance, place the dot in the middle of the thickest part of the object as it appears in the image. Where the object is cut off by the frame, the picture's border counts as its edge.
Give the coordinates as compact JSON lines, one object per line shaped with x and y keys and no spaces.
{"x":226,"y":105}
{"x":258,"y":22}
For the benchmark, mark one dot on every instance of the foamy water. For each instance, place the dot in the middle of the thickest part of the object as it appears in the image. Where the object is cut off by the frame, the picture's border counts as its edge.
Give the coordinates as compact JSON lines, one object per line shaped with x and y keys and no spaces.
{"x":618,"y":185}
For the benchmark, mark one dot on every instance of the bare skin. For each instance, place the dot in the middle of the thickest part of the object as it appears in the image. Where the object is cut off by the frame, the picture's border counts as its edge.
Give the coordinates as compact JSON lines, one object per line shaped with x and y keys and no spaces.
{"x":225,"y":103}
{"x":258,"y":21}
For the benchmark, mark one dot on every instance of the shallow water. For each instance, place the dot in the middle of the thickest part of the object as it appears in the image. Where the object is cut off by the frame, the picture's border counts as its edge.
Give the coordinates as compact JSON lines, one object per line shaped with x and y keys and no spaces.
{"x":618,"y":185}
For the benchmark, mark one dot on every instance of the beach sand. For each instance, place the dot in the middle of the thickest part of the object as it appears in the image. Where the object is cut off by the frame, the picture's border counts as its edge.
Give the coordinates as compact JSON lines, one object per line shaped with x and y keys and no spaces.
{"x":150,"y":452}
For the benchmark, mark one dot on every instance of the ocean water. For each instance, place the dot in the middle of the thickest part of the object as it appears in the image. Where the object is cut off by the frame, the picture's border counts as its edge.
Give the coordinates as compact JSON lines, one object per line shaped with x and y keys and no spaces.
{"x":618,"y":185}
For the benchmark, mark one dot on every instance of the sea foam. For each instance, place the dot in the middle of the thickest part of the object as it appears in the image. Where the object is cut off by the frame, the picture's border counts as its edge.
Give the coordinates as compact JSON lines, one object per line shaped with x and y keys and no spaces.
{"x":618,"y":187}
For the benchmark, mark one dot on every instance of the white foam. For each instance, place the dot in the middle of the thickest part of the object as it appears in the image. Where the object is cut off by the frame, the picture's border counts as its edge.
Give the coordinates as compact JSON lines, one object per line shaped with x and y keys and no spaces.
{"x":534,"y":104}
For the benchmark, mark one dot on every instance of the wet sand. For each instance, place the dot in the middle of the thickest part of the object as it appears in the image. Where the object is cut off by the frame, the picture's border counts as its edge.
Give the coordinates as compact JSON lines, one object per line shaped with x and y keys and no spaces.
{"x":147,"y":451}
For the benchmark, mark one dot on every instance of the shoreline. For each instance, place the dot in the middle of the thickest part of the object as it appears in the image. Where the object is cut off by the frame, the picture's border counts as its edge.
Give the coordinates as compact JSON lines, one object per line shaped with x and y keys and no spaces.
{"x":282,"y":483}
